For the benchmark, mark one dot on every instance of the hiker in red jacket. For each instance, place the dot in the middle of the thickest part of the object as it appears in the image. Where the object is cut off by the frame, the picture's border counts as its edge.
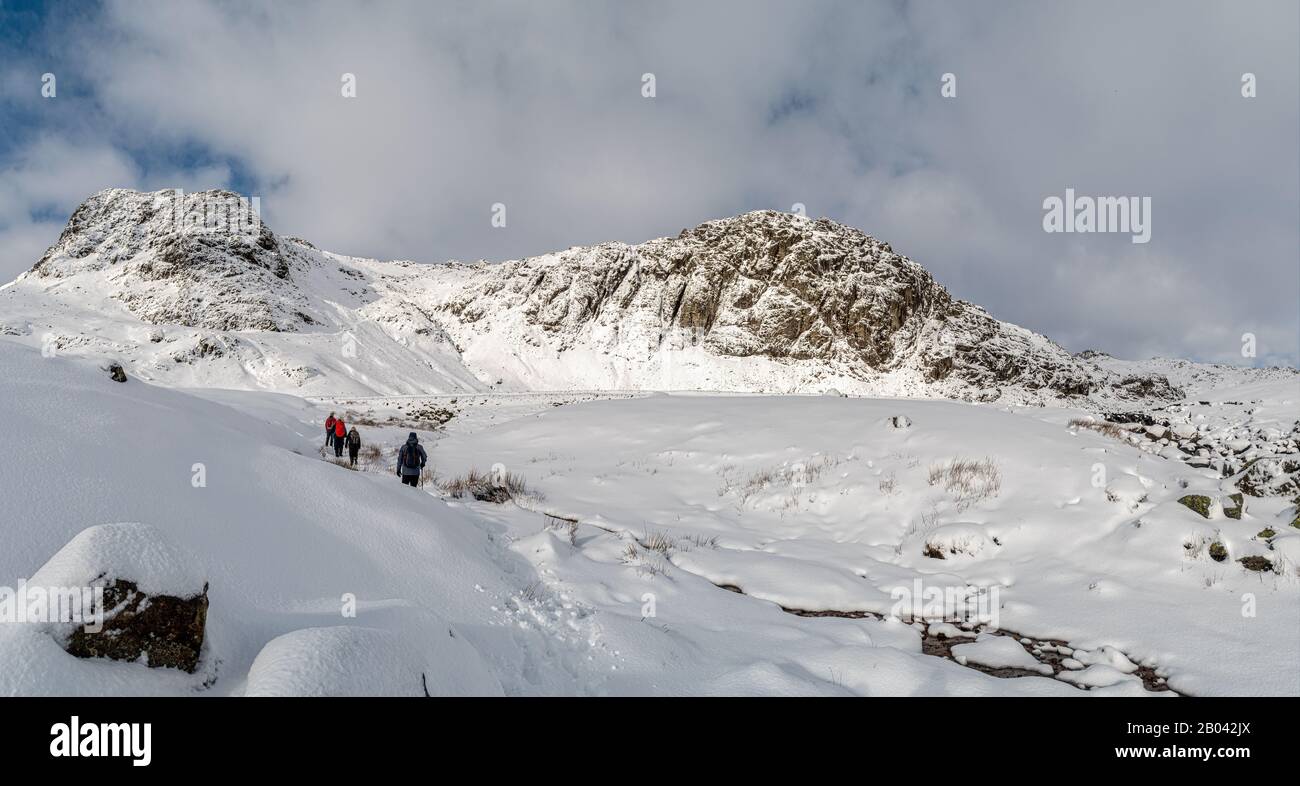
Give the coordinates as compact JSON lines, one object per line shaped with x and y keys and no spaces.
{"x":329,"y":430}
{"x":340,"y":431}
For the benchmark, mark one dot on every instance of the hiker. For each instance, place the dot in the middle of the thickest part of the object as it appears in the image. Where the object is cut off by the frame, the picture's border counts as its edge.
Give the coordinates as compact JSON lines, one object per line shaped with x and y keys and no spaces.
{"x":354,"y":446}
{"x":340,"y":434}
{"x":410,"y":460}
{"x":329,"y":431}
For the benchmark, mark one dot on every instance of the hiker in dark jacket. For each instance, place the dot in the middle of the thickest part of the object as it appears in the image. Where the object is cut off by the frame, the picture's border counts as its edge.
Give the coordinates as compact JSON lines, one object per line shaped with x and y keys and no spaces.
{"x":354,"y":445}
{"x":410,"y":460}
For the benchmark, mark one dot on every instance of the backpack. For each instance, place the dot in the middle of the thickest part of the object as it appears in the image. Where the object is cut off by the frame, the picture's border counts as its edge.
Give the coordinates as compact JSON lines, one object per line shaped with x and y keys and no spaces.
{"x":411,"y":455}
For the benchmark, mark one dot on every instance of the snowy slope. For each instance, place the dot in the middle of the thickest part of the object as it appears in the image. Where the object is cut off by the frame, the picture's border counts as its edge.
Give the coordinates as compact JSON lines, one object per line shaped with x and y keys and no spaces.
{"x":738,"y":544}
{"x":764,"y":302}
{"x":820,"y":504}
{"x":225,"y":309}
{"x":469,"y":597}
{"x":279,"y":535}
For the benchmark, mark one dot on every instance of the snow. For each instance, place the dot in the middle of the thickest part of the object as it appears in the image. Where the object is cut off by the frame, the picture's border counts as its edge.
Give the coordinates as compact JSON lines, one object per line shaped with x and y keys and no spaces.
{"x":357,"y":661}
{"x":1097,"y":676}
{"x":724,"y":543}
{"x":815,"y":504}
{"x":998,"y":652}
{"x":1071,"y":565}
{"x":1106,"y":656}
{"x":959,"y":540}
{"x":280,"y":535}
{"x":1128,"y":490}
{"x":132,"y":551}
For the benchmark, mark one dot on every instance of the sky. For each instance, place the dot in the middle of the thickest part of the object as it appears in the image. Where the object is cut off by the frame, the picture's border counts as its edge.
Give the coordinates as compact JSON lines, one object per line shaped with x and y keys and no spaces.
{"x":838,"y":106}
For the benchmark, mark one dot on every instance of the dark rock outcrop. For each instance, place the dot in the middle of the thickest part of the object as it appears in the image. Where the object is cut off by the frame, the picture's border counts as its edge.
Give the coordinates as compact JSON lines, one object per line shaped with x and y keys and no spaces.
{"x":783,"y":287}
{"x":201,"y":260}
{"x":164,"y":630}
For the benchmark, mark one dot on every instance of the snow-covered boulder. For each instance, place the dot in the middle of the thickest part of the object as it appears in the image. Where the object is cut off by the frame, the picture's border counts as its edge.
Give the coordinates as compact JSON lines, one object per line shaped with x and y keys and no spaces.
{"x":150,"y":600}
{"x":900,"y":421}
{"x":958,"y":540}
{"x":1277,"y":476}
{"x":998,"y":652}
{"x":1127,"y":490}
{"x":1238,"y":445}
{"x":360,"y":661}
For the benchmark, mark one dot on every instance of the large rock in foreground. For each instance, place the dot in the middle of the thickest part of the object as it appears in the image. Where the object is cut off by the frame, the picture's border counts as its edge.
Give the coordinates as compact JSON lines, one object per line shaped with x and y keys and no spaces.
{"x":150,"y":599}
{"x":165,"y":630}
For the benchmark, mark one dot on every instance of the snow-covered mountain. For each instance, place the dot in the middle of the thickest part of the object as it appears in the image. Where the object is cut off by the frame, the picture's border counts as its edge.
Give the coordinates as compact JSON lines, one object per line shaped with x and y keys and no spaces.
{"x":652,"y":543}
{"x":763,"y":302}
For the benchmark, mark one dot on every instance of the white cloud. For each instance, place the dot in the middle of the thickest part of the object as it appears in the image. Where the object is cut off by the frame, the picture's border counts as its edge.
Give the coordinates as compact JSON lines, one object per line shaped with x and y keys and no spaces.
{"x":835,"y":105}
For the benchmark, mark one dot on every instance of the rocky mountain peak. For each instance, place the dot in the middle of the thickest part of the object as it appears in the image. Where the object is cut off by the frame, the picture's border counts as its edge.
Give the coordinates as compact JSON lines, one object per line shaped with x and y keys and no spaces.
{"x":201,"y":259}
{"x":763,"y":301}
{"x":771,"y":285}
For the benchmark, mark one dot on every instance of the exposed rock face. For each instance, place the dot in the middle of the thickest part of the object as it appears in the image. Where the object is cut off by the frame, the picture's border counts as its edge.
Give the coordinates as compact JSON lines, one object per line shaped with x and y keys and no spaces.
{"x":763,"y":302}
{"x":178,"y":263}
{"x":131,"y":595}
{"x":1273,"y":476}
{"x":164,"y":630}
{"x":1152,"y":387}
{"x":773,"y":285}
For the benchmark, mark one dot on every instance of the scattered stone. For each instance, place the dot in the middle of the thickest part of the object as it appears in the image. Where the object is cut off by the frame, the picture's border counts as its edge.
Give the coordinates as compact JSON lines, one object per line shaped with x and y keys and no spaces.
{"x":1218,"y":551}
{"x":1235,"y":511}
{"x":1197,"y":502}
{"x":1256,"y":563}
{"x":1277,"y":476}
{"x":900,"y":421}
{"x":116,"y":372}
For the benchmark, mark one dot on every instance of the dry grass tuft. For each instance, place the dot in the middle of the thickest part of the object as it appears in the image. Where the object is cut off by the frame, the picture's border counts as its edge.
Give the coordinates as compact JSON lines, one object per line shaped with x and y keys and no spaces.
{"x":969,"y":481}
{"x":484,"y":487}
{"x":1101,"y":427}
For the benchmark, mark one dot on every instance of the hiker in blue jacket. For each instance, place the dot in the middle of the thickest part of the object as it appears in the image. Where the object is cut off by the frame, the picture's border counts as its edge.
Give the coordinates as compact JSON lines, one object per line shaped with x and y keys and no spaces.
{"x":410,"y":460}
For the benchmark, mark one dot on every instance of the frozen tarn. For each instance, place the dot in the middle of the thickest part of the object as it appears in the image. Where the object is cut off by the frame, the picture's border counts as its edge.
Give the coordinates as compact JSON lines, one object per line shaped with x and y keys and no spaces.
{"x":817,"y":504}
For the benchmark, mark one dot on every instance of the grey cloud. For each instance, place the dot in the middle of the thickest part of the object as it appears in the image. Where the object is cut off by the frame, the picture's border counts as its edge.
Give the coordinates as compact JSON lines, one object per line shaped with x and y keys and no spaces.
{"x":835,"y":105}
